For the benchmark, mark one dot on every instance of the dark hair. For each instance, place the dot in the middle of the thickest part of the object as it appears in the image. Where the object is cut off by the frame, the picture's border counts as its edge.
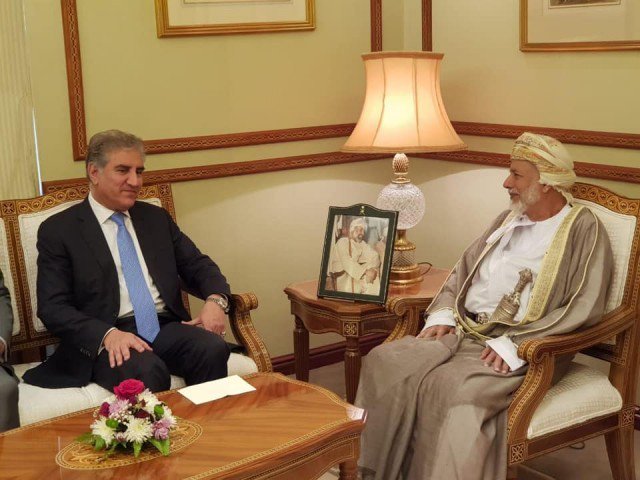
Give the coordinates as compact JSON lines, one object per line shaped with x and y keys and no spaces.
{"x":108,"y":141}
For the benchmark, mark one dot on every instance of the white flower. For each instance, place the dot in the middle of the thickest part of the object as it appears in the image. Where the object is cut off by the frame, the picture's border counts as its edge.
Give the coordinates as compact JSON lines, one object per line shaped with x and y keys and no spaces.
{"x":168,"y":413}
{"x":99,"y":427}
{"x":150,"y":401}
{"x":138,"y":430}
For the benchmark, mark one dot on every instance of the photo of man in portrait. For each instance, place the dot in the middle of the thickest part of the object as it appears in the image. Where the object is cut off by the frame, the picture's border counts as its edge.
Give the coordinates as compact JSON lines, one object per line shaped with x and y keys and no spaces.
{"x":354,"y":261}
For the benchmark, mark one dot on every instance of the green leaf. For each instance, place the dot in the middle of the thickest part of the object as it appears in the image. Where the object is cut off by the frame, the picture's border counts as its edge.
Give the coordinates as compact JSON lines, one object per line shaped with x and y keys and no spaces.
{"x":100,"y":443}
{"x":163,"y":446}
{"x":137,"y":446}
{"x":111,"y":423}
{"x":111,"y":450}
{"x":86,"y":438}
{"x":156,"y":443}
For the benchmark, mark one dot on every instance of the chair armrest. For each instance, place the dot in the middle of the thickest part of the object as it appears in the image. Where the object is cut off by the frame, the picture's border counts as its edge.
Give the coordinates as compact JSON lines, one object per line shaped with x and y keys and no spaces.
{"x":245,"y":332}
{"x":540,"y":353}
{"x":407,"y":310}
{"x":534,"y":349}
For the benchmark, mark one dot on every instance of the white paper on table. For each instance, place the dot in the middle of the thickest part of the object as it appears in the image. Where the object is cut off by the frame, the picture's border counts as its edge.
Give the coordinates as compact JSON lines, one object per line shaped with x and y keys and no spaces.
{"x":215,"y":389}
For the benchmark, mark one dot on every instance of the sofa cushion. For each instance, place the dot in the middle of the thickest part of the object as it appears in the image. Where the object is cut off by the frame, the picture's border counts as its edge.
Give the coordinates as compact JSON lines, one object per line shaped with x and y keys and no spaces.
{"x":36,"y":404}
{"x":582,"y":394}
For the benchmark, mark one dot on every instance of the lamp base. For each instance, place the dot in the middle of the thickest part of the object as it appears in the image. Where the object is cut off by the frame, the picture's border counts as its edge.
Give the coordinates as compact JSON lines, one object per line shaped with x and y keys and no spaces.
{"x":405,"y":276}
{"x":404,"y":269}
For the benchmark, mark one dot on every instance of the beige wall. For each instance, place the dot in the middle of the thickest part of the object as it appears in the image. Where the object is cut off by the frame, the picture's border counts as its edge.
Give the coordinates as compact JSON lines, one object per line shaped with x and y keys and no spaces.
{"x":266,"y":230}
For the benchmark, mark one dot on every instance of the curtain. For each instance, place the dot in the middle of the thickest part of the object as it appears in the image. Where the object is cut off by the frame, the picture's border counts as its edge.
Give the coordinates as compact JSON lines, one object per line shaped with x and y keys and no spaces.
{"x":18,"y":163}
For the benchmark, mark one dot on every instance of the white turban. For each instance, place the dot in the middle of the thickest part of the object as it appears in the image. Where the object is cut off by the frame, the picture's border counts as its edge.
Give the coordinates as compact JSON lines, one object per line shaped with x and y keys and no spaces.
{"x":358,"y":222}
{"x":550,"y":157}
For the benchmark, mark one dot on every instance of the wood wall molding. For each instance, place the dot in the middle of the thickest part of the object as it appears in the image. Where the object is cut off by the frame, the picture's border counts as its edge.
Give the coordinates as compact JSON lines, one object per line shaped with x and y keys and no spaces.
{"x":187,"y":174}
{"x":74,"y":78}
{"x":209,"y":142}
{"x":376,"y":25}
{"x":427,"y":26}
{"x":582,"y":169}
{"x":578,"y":137}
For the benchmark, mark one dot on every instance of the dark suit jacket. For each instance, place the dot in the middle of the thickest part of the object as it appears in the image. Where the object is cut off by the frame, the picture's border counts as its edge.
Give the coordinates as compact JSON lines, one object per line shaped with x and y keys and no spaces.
{"x":78,"y":291}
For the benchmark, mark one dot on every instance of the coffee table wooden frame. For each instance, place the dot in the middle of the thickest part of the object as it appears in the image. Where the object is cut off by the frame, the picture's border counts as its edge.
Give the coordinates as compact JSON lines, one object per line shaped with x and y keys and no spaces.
{"x":286,"y":429}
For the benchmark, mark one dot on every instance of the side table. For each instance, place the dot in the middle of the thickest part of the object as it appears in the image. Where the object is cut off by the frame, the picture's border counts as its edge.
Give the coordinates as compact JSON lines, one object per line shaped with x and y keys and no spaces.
{"x":400,"y":316}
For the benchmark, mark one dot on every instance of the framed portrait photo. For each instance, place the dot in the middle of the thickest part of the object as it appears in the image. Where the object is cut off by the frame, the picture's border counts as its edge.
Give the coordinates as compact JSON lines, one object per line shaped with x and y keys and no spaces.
{"x":579,"y":25}
{"x":223,"y":17}
{"x":357,"y":253}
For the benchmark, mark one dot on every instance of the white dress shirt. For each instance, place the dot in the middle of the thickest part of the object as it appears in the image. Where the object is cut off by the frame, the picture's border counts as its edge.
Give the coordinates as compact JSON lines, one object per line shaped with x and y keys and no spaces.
{"x":522,"y":244}
{"x":110,"y":230}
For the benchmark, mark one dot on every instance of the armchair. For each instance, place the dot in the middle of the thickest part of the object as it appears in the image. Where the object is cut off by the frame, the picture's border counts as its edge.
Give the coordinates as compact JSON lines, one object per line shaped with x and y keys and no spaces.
{"x":587,"y":403}
{"x":19,"y":222}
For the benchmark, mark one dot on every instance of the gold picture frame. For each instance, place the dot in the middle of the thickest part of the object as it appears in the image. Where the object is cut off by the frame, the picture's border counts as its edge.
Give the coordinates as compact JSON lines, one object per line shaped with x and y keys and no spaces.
{"x":579,"y":25}
{"x":176,"y":18}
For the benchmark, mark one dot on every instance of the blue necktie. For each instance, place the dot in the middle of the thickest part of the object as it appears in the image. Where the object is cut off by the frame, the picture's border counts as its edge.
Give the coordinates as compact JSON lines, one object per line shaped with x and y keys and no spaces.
{"x":144,"y":309}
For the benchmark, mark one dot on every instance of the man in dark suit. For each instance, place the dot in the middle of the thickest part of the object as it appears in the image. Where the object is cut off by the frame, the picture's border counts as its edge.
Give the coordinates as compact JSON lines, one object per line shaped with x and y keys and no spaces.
{"x":9,"y":417}
{"x":110,"y":270}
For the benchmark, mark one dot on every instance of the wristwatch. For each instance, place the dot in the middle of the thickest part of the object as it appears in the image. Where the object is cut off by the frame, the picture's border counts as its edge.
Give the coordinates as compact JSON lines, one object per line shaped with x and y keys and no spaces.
{"x":222,"y":302}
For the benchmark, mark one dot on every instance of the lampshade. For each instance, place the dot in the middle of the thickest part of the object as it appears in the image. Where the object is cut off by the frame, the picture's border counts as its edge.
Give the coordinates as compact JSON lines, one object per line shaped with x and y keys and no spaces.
{"x":403,"y":109}
{"x":403,"y":113}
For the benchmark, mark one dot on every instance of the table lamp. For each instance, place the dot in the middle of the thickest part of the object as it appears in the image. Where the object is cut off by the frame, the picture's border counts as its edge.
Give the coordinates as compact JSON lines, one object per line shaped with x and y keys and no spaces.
{"x":403,"y":113}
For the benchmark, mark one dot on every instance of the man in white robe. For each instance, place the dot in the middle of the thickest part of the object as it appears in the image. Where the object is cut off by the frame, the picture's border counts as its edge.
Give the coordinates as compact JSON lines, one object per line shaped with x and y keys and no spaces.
{"x":354,"y":264}
{"x":437,"y":402}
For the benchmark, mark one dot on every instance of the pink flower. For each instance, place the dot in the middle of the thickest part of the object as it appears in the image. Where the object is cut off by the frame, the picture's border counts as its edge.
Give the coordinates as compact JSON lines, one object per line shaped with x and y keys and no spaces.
{"x":128,"y":389}
{"x":161,"y":433}
{"x":104,"y":409}
{"x":118,"y":408}
{"x":161,"y":428}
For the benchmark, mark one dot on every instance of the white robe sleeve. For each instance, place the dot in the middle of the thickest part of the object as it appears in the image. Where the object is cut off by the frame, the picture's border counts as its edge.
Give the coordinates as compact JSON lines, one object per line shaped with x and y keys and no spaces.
{"x":507,"y":350}
{"x":441,"y":317}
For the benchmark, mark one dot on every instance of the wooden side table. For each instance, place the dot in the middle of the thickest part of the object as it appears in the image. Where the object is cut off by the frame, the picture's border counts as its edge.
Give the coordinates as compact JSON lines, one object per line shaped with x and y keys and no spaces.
{"x":400,"y":316}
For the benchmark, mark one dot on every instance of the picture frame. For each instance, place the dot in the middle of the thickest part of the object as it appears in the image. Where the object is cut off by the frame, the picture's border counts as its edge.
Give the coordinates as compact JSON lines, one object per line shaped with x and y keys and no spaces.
{"x":357,"y":253}
{"x":579,"y":25}
{"x":224,"y":17}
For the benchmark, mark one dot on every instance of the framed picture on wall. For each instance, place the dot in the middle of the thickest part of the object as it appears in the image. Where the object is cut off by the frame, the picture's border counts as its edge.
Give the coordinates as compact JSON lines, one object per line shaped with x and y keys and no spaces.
{"x":357,"y":254}
{"x":221,"y":17}
{"x":574,"y":25}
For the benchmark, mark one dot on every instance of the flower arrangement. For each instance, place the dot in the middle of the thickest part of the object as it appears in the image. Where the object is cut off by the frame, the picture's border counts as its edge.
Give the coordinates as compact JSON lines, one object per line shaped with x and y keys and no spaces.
{"x":130,"y":419}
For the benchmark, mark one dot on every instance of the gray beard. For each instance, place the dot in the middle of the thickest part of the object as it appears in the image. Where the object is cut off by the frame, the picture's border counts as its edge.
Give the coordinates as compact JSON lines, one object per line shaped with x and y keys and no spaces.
{"x":527,"y":198}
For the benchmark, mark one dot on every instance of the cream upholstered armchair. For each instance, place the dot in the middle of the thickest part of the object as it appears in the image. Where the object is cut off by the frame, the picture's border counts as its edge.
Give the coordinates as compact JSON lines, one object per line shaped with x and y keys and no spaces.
{"x":587,"y":402}
{"x":19,"y":222}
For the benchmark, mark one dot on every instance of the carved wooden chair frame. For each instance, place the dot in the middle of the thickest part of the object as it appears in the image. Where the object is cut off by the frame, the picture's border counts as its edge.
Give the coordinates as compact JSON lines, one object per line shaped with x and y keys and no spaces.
{"x":622,"y":325}
{"x":28,"y":338}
